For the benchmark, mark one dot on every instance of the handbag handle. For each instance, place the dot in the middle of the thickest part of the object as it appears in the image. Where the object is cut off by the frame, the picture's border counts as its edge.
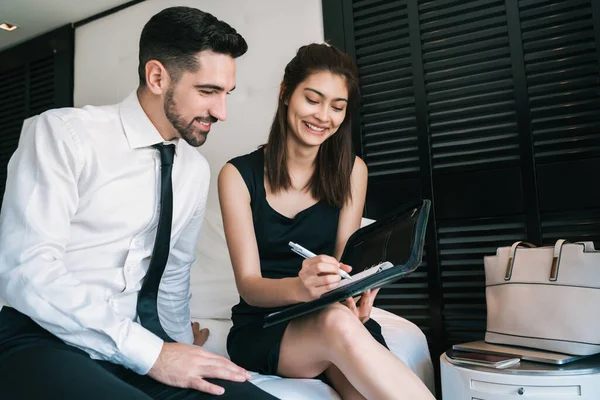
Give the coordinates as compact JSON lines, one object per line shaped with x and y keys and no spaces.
{"x":511,"y":257}
{"x":556,"y":258}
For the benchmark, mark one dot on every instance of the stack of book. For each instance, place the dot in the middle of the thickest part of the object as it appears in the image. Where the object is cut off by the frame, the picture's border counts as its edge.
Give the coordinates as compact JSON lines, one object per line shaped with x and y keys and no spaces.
{"x":469,"y":358}
{"x":489,"y":355}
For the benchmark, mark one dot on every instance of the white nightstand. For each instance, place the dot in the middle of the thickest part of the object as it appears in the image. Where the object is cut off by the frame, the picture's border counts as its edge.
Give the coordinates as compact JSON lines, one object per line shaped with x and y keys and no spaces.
{"x":579,"y":380}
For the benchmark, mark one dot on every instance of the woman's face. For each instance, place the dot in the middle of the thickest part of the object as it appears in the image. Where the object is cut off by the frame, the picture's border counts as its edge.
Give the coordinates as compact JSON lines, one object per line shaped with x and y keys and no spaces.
{"x":317,"y":108}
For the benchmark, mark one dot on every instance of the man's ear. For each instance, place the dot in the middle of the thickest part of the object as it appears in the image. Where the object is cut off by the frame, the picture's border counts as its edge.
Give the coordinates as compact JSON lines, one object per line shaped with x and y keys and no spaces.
{"x":157,"y":77}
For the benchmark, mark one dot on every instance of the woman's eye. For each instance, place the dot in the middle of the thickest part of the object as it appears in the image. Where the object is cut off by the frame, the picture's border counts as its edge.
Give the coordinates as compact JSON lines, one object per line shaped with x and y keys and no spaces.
{"x":310,"y":101}
{"x":338,"y":109}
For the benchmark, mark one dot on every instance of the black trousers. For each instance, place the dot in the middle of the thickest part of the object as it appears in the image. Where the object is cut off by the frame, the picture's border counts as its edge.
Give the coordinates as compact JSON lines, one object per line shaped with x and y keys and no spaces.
{"x":34,"y":364}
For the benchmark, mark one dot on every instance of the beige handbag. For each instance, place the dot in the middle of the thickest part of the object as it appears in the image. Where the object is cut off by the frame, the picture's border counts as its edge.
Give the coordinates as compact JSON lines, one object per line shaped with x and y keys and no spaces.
{"x":545,"y":298}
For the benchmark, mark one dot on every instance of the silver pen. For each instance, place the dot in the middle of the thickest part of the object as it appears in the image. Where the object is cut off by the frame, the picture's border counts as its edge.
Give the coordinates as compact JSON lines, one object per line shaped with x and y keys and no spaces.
{"x":296,"y":248}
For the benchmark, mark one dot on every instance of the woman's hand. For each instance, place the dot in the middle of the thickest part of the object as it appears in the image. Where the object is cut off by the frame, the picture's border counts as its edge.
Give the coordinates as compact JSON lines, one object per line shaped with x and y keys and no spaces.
{"x":363,"y":311}
{"x":319,"y":275}
{"x":200,"y":335}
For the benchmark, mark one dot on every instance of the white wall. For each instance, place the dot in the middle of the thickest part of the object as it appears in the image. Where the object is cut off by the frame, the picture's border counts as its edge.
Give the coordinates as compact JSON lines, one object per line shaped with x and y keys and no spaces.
{"x":106,"y":71}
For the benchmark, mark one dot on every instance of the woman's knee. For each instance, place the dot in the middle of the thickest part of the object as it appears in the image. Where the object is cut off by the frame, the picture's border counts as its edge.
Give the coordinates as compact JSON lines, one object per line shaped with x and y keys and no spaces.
{"x":338,"y":324}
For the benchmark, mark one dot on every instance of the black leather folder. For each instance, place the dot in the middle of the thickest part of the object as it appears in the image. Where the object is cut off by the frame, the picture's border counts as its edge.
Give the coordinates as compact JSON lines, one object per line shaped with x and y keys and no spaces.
{"x":397,"y":238}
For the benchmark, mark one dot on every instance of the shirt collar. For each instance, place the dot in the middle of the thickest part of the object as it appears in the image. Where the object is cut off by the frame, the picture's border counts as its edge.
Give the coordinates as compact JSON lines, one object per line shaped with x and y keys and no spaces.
{"x":139,"y":130}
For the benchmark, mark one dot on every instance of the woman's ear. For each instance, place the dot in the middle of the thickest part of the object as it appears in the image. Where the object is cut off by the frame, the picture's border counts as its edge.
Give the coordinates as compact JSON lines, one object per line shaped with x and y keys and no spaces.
{"x":281,"y":93}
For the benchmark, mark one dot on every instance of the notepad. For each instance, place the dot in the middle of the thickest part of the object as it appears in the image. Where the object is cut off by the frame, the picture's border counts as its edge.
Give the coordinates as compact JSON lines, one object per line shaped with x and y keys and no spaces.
{"x":366,"y":273}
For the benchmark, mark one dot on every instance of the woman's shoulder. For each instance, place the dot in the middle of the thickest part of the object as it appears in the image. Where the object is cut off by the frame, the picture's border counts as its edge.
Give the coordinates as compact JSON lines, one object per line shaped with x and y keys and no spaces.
{"x":251,"y":167}
{"x":251,"y":160}
{"x":359,"y":167}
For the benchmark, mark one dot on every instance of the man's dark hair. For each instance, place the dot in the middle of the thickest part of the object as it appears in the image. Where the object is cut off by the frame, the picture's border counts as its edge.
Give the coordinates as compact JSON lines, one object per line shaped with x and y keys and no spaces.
{"x":176,"y":35}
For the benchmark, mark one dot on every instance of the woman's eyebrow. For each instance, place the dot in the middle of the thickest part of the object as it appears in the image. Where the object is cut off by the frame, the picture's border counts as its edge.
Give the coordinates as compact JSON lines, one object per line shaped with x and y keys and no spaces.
{"x":322,"y":95}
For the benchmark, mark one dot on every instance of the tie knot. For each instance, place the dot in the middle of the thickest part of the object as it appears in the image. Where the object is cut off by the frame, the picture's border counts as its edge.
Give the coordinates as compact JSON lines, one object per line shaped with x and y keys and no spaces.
{"x":167,"y":153}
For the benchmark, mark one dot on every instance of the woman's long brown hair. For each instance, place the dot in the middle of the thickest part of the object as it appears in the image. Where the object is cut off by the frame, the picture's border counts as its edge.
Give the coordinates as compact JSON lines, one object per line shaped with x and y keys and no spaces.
{"x":334,"y":162}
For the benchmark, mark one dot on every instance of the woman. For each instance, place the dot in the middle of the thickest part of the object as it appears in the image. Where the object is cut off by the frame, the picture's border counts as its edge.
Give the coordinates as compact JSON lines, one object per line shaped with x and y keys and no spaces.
{"x":306,"y":186}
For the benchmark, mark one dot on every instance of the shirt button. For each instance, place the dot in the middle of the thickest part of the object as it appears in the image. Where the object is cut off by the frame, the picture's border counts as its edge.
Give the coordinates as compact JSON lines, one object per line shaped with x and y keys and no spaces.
{"x":138,"y":242}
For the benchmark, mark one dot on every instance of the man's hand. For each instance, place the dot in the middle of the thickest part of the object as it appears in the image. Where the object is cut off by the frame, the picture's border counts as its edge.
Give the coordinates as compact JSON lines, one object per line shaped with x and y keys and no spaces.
{"x":363,"y":311}
{"x":185,"y":366}
{"x":200,"y":335}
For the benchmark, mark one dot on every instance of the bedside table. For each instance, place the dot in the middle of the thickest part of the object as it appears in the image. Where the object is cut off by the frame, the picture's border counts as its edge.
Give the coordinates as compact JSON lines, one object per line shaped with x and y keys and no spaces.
{"x":579,"y":380}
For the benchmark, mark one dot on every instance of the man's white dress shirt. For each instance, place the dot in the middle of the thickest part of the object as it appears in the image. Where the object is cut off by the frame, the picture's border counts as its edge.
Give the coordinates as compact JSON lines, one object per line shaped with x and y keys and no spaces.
{"x":77,"y":229}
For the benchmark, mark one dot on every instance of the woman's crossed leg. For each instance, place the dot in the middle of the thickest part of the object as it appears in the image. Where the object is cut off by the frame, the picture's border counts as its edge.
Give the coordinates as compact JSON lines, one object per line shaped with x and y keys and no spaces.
{"x":336,"y":342}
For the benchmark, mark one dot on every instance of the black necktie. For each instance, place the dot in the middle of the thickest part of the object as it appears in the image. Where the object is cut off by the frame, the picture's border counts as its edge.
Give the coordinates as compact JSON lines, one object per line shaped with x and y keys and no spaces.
{"x":146,"y":306}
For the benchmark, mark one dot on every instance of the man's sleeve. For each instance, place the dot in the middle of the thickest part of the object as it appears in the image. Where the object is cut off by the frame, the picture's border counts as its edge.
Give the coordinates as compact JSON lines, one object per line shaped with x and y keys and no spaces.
{"x":174,"y":290}
{"x":40,"y":201}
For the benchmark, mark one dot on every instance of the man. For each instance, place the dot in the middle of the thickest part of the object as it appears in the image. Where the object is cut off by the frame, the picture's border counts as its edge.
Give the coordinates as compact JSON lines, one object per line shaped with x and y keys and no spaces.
{"x":101,"y":214}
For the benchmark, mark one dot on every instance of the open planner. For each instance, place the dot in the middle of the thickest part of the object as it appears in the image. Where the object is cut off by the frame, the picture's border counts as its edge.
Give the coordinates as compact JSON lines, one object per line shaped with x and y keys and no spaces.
{"x":380,"y":253}
{"x":367,"y":273}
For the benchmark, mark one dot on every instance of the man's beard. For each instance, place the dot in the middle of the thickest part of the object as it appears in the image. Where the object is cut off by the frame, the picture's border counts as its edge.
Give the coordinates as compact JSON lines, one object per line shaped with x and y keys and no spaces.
{"x":193,"y":136}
